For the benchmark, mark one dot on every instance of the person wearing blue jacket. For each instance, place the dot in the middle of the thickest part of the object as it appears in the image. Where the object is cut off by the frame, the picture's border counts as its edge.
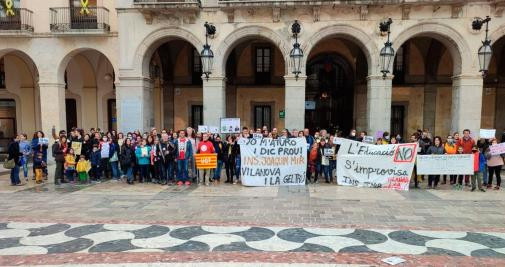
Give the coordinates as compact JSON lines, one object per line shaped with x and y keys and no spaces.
{"x":95,"y":159}
{"x":143,"y":154}
{"x":479,"y":164}
{"x":40,"y":147}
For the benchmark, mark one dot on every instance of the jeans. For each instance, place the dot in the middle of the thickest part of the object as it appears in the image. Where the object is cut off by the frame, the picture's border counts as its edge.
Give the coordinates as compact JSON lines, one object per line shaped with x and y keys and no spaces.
{"x":169,"y":170}
{"x":104,"y":167}
{"x":144,"y":173}
{"x":24,"y":164}
{"x":95,"y":172}
{"x":217,"y":171}
{"x":333,"y":166}
{"x":237,"y":166}
{"x":484,"y":175}
{"x":325,"y":169}
{"x":115,"y":169}
{"x":129,"y":174}
{"x":70,"y":174}
{"x":15,"y":175}
{"x":159,"y":171}
{"x":182,"y":170}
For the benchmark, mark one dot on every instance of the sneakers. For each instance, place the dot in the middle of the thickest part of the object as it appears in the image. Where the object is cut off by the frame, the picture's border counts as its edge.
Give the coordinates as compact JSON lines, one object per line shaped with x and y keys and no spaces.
{"x":496,"y":188}
{"x":179,"y":183}
{"x":482,"y":190}
{"x":188,"y":183}
{"x":473,"y":189}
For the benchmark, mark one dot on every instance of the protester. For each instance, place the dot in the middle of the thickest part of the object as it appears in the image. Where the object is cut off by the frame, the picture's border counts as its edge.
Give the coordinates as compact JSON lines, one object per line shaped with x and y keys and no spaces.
{"x":184,"y":149}
{"x":39,"y":165}
{"x":467,"y":143}
{"x":220,"y":151}
{"x":435,"y":149}
{"x":59,"y":149}
{"x":40,"y":147}
{"x":15,"y":154}
{"x":127,"y":159}
{"x":205,"y":146}
{"x":26,"y":151}
{"x":96,"y":160}
{"x":169,"y":152}
{"x":157,"y":160}
{"x":478,"y":166}
{"x":229,"y":158}
{"x":70,"y":165}
{"x":494,"y":163}
{"x":450,"y":149}
{"x":323,"y":160}
{"x":82,"y":168}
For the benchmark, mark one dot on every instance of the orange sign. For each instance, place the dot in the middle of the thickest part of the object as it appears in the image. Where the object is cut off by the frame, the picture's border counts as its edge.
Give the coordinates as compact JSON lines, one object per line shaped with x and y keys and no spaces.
{"x":206,"y":161}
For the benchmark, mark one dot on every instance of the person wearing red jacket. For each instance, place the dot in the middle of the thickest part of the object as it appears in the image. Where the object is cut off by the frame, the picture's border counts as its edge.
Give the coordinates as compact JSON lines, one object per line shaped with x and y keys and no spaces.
{"x":204,"y":147}
{"x":467,"y":143}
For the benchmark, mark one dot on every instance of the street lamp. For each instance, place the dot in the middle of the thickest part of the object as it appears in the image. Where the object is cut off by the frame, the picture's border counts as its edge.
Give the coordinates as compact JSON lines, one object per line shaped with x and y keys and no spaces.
{"x":207,"y":56}
{"x":485,"y":52}
{"x":387,"y":53}
{"x":296,"y":53}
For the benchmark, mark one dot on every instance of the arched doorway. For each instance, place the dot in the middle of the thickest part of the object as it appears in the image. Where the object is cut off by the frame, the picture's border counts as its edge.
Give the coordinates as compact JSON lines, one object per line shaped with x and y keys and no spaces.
{"x":493,"y":97}
{"x":329,"y":92}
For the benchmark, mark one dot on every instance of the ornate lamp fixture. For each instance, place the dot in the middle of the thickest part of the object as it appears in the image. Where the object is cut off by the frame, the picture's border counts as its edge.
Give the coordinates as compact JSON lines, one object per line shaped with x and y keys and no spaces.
{"x":207,"y":56}
{"x":296,"y":53}
{"x":387,"y":53}
{"x":485,"y":52}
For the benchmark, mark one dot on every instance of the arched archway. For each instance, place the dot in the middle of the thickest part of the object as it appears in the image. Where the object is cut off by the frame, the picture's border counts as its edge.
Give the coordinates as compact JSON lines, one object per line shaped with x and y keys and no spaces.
{"x":19,"y":101}
{"x":493,"y":111}
{"x":88,"y":77}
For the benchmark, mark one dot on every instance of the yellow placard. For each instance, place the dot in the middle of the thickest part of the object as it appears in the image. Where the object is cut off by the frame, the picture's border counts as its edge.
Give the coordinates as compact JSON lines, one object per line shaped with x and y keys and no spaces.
{"x":77,"y":147}
{"x":206,"y":161}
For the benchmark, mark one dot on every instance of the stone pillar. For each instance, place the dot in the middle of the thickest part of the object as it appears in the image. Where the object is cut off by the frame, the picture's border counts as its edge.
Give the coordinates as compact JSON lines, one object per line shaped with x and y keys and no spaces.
{"x":52,"y":107}
{"x":378,"y":104}
{"x":214,"y":100}
{"x":466,"y":103}
{"x":430,"y":107}
{"x":294,"y":102}
{"x":135,"y":106}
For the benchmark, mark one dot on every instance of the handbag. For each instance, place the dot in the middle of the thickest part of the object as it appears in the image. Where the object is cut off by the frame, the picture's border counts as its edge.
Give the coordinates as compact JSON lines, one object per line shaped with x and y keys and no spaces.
{"x":9,"y":164}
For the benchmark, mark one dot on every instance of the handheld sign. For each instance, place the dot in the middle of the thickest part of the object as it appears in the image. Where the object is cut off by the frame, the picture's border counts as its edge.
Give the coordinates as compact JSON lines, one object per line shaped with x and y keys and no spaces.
{"x":213,"y":129}
{"x":203,"y":129}
{"x":206,"y":161}
{"x":257,"y":135}
{"x":43,"y":141}
{"x":337,"y":140}
{"x":368,"y":139}
{"x":77,"y":147}
{"x":487,"y":133}
{"x":497,"y":149}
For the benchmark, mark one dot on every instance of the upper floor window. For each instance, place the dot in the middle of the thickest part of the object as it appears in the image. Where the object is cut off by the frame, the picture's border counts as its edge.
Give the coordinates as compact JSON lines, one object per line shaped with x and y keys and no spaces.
{"x":263,"y":61}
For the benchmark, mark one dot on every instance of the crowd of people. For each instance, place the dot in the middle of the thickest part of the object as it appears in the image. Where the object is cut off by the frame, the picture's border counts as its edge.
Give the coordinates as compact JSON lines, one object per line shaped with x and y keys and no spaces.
{"x":168,"y":157}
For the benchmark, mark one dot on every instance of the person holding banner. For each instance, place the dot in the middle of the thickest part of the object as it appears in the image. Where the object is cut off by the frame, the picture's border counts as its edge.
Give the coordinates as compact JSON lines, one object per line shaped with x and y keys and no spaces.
{"x":324,"y":153}
{"x":204,"y":147}
{"x":494,"y":164}
{"x":467,"y":143}
{"x":435,"y":149}
{"x":450,"y":149}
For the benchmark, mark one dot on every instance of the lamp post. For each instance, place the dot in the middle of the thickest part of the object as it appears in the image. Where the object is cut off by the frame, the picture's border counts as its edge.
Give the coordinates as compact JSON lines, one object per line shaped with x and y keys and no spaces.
{"x":207,"y":56}
{"x":485,"y":52}
{"x":296,"y":53}
{"x":387,"y":53}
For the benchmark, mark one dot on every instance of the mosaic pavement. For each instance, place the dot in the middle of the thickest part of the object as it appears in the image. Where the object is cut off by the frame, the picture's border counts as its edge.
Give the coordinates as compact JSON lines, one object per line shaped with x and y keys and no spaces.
{"x":44,"y":238}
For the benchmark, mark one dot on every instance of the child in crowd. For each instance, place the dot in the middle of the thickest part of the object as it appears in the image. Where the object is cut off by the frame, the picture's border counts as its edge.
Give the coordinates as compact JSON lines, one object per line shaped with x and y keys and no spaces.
{"x":323,"y":154}
{"x":459,"y":184}
{"x":70,"y":165}
{"x":82,"y":168}
{"x":95,"y":159}
{"x":312,"y":166}
{"x":479,"y":164}
{"x":39,"y":164}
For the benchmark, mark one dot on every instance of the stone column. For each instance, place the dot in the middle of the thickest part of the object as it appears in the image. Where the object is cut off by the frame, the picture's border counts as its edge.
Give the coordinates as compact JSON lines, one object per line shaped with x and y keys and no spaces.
{"x":135,"y":106}
{"x":378,"y":103}
{"x":214,"y":100}
{"x":52,"y":107}
{"x":294,"y":102}
{"x":430,"y":107}
{"x":466,"y":103}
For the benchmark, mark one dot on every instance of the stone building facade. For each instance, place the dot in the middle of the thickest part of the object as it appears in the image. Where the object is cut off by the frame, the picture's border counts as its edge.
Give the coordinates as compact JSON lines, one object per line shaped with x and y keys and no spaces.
{"x":134,"y":64}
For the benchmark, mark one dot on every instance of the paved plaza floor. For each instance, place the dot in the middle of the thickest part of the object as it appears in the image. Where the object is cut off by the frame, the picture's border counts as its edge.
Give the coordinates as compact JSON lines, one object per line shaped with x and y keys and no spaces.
{"x":115,"y":224}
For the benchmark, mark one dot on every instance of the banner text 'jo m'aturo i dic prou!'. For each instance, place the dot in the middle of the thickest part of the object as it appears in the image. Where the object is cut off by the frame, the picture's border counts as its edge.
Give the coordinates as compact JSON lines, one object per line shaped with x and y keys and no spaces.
{"x":377,"y":166}
{"x":273,"y":162}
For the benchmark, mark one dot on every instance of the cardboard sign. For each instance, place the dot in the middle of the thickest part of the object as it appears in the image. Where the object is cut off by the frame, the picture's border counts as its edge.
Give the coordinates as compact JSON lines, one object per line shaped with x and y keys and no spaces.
{"x":257,"y":135}
{"x":376,"y":166}
{"x":487,"y":133}
{"x":206,"y":161}
{"x":77,"y":147}
{"x":497,"y":149}
{"x":213,"y":129}
{"x":203,"y":129}
{"x":43,"y":141}
{"x":337,"y":140}
{"x":445,"y":164}
{"x":230,"y":125}
{"x":273,"y":162}
{"x":368,"y":139}
{"x":328,"y":152}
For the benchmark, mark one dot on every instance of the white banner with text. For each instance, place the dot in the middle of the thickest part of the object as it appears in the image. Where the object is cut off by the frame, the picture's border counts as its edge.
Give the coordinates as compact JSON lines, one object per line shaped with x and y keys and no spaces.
{"x":273,"y":162}
{"x":445,"y":164}
{"x":377,"y":166}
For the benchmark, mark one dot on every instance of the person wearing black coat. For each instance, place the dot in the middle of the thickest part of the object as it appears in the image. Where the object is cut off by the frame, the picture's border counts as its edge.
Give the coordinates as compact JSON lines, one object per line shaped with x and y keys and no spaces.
{"x":231,"y":151}
{"x":127,"y":159}
{"x":59,"y":149}
{"x":14,"y":154}
{"x":219,"y":148}
{"x":168,"y":148}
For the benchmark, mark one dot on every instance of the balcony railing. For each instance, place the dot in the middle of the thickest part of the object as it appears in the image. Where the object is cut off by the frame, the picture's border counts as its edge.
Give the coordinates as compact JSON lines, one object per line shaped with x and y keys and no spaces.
{"x":70,"y":19}
{"x":166,"y":3}
{"x":21,"y":21}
